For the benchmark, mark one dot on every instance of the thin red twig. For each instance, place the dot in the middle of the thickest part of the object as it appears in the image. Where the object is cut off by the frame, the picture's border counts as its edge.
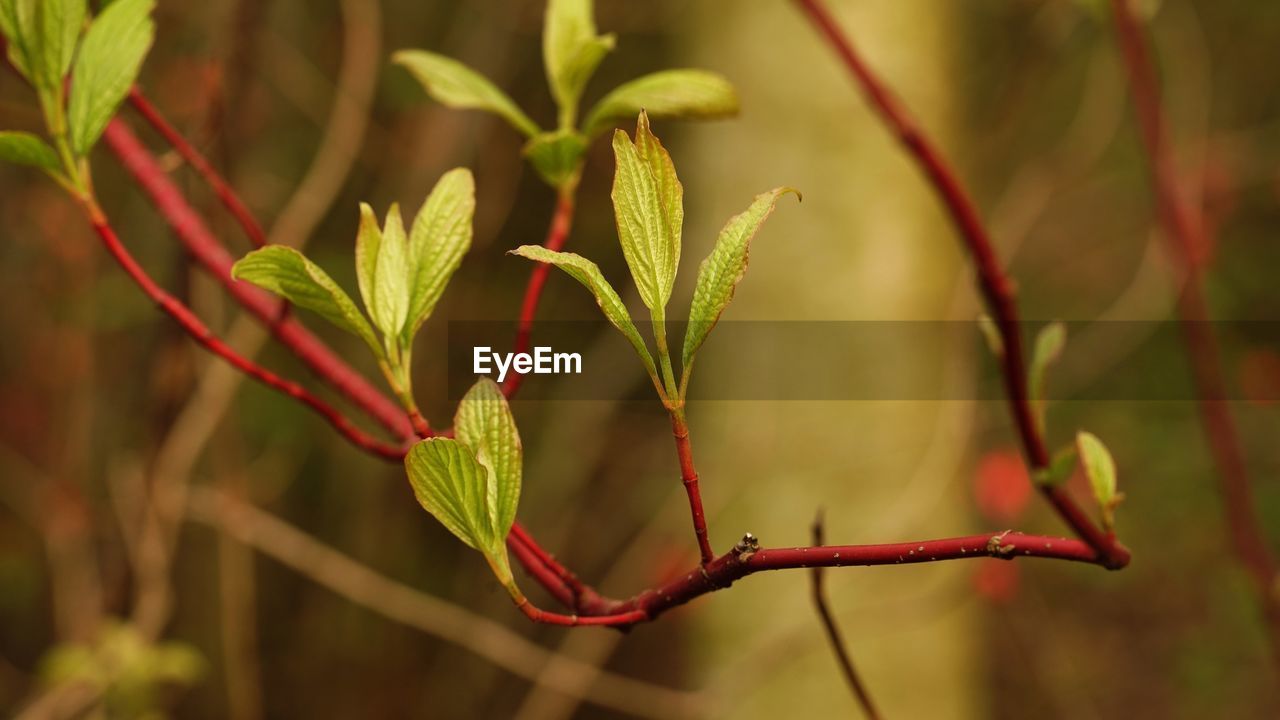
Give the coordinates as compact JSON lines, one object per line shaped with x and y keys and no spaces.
{"x":995,"y":285}
{"x":191,"y":230}
{"x":834,"y":636}
{"x":1189,"y":239}
{"x":203,"y":335}
{"x":689,"y":477}
{"x":557,"y":234}
{"x":221,"y":188}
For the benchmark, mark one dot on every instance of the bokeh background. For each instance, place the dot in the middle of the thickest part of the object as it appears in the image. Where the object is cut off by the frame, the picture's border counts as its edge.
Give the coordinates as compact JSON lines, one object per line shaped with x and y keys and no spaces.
{"x":296,"y":102}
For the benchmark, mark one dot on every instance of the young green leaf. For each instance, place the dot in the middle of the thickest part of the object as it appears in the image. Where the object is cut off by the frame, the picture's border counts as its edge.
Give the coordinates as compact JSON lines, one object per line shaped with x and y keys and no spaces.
{"x":457,"y":86}
{"x":644,"y":210}
{"x":20,"y":28}
{"x":368,"y":247}
{"x":441,"y":235}
{"x":1048,"y":348}
{"x":452,"y":485}
{"x":1100,"y":468}
{"x":571,"y":51}
{"x":59,"y":24}
{"x":106,"y":67}
{"x":720,"y":273}
{"x":588,"y":274}
{"x":1060,"y":467}
{"x":484,"y":424}
{"x":287,"y":273}
{"x":669,"y":93}
{"x":557,"y":156}
{"x":390,"y":305}
{"x":991,"y":334}
{"x":22,"y":148}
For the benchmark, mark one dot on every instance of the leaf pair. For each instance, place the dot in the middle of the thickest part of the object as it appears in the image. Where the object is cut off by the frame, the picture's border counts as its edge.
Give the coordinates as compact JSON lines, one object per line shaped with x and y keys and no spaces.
{"x":572,"y":49}
{"x":401,"y":274}
{"x":471,"y":483}
{"x":43,"y":37}
{"x":648,"y":201}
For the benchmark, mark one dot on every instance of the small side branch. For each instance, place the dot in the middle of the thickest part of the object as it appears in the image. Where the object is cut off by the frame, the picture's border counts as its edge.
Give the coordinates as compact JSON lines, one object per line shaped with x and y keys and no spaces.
{"x":833,"y":633}
{"x":997,"y":289}
{"x":689,"y":477}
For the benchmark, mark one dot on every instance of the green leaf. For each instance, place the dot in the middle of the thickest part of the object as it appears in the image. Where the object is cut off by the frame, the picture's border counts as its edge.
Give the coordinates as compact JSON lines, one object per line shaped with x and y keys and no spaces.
{"x":484,"y":424}
{"x":571,"y":51}
{"x":452,"y":485}
{"x":1048,"y":348}
{"x":287,"y":273}
{"x":457,"y":86}
{"x":60,"y":23}
{"x":557,"y":156}
{"x":666,"y":94}
{"x":368,"y":246}
{"x":991,"y":334}
{"x":441,"y":235}
{"x":19,"y":26}
{"x":23,"y":148}
{"x":647,"y":208}
{"x":106,"y":67}
{"x":1100,"y":468}
{"x":1060,"y":467}
{"x":390,"y":305}
{"x":588,"y":274}
{"x":720,"y":273}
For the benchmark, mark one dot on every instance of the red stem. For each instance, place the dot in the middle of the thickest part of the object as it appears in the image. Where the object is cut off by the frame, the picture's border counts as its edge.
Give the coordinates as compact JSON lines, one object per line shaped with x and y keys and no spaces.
{"x":689,"y":476}
{"x":221,"y":188}
{"x":996,"y":288}
{"x":1190,"y":240}
{"x":209,"y":252}
{"x":201,"y":334}
{"x":557,"y":234}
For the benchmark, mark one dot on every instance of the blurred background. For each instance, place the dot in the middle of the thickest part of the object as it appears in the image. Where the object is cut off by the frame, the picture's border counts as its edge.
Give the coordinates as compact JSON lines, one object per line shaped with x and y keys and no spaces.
{"x":297,"y":104}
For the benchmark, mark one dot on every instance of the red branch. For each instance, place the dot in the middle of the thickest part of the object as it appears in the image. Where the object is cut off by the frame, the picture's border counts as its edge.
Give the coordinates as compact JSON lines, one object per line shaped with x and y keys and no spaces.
{"x":1190,"y":240}
{"x":221,"y":188}
{"x":557,"y":234}
{"x":595,"y":609}
{"x":209,"y":252}
{"x":201,"y":334}
{"x":689,"y":477}
{"x":995,"y":285}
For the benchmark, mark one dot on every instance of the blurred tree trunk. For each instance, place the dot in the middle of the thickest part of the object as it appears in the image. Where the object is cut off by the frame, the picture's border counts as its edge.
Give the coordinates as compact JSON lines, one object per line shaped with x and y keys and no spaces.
{"x":868,"y":243}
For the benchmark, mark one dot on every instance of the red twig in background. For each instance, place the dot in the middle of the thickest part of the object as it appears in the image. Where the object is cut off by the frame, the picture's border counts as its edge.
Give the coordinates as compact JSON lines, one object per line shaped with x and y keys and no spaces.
{"x":201,"y":334}
{"x":994,"y":284}
{"x":226,"y":195}
{"x":209,"y":252}
{"x":557,"y":234}
{"x":1189,"y":239}
{"x":832,"y":629}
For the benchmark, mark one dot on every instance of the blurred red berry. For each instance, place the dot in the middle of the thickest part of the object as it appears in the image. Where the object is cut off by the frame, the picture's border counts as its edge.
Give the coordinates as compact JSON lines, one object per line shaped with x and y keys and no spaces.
{"x":1001,"y":486}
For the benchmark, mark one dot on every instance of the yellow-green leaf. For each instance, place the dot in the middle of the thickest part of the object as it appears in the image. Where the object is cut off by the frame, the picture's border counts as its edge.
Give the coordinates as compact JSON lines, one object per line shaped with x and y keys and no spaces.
{"x":588,"y":274}
{"x":642,"y":207}
{"x":22,"y":148}
{"x":1100,"y":468}
{"x":455,"y":85}
{"x":390,"y":305}
{"x":368,"y":246}
{"x":484,"y":424}
{"x":452,"y":485}
{"x":287,"y":273}
{"x":59,"y":24}
{"x":720,"y":273}
{"x":440,"y":237}
{"x":571,"y":52}
{"x":669,"y":93}
{"x":18,"y":24}
{"x":557,"y":156}
{"x":106,"y":67}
